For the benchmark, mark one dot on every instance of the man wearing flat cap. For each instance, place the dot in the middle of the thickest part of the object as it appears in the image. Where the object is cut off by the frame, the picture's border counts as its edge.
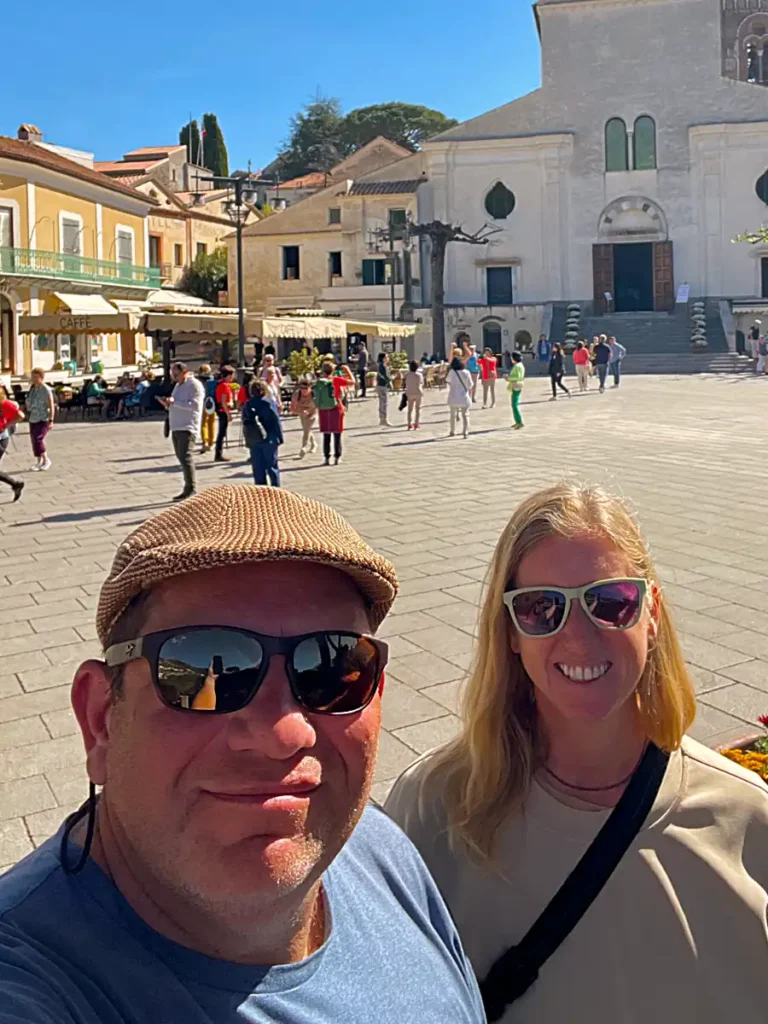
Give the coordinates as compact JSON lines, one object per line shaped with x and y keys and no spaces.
{"x":230,"y":870}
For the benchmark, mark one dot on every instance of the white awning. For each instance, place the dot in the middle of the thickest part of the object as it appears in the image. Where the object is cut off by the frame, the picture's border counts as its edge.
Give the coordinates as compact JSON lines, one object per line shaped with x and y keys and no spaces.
{"x":381,"y":329}
{"x":209,"y":323}
{"x":83,"y":305}
{"x":79,"y":314}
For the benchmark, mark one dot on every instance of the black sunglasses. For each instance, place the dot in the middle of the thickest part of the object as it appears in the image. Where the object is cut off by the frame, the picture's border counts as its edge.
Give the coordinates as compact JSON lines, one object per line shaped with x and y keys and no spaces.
{"x":219,"y":669}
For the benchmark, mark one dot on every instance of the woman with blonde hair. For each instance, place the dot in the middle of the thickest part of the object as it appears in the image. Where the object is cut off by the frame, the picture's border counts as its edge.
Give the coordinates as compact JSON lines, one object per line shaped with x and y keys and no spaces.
{"x":595,"y":859}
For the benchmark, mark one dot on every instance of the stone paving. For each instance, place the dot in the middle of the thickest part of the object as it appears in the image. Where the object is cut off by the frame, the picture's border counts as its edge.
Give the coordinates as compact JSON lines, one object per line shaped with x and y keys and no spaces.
{"x":689,"y":452}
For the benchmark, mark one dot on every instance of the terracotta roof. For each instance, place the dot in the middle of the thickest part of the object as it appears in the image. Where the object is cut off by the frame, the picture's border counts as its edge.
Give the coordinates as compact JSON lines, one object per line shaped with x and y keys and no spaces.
{"x":159,"y":150}
{"x":127,"y":166}
{"x":314,"y":180}
{"x":385,"y":188}
{"x":16,"y":149}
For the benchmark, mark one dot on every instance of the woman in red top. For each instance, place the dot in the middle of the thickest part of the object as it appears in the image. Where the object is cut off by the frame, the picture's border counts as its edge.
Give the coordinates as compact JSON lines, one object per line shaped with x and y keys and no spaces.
{"x":488,"y":362}
{"x":581,"y":362}
{"x":10,"y":413}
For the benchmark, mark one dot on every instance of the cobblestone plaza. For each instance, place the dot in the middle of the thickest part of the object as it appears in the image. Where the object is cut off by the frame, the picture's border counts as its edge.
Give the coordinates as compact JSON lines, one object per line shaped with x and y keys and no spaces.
{"x":689,"y":453}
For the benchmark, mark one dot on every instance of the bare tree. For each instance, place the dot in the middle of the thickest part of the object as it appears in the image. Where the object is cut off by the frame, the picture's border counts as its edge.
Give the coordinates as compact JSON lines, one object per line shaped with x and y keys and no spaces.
{"x":441,"y":235}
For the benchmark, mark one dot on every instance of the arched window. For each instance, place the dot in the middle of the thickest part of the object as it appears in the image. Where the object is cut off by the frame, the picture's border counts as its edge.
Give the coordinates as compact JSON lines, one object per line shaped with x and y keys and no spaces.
{"x":616,"y":151}
{"x":644,"y":144}
{"x":500,"y":202}
{"x":761,"y":187}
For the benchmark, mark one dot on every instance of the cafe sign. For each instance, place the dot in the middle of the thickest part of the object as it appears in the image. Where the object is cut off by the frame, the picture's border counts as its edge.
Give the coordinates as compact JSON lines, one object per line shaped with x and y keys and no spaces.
{"x":76,"y":323}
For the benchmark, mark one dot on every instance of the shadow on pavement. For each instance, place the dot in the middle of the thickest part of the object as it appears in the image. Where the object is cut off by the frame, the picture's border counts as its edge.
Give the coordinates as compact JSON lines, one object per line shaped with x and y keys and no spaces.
{"x":94,"y":513}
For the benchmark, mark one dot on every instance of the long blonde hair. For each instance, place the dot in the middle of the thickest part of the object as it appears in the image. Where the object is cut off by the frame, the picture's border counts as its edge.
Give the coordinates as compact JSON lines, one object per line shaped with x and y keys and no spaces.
{"x":486,"y":772}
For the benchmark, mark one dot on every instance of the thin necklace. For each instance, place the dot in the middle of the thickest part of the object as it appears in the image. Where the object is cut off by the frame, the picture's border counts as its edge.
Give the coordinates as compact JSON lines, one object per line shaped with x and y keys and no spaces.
{"x":595,"y":789}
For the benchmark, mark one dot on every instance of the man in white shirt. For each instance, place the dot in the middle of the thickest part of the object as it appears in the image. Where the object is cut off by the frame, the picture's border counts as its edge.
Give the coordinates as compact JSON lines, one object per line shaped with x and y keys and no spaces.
{"x":185,"y":411}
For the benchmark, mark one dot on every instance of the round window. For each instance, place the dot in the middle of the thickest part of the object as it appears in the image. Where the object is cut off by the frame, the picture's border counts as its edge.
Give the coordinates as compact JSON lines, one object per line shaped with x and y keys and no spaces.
{"x":761,"y":187}
{"x":500,"y":202}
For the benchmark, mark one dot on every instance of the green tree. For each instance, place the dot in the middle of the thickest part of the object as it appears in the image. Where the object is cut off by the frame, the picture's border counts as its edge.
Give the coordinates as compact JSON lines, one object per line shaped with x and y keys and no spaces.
{"x":315,"y":140}
{"x":321,"y":135}
{"x":189,"y":136}
{"x":404,"y":123}
{"x":215,"y":156}
{"x":207,"y":275}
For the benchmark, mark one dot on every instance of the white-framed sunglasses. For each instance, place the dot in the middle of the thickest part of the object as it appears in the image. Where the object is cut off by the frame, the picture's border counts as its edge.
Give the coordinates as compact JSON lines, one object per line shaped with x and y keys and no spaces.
{"x":608,"y":604}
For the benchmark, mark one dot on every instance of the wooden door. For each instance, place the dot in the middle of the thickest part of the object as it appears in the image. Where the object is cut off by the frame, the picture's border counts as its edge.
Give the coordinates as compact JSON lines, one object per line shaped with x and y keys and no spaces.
{"x":663,"y":277}
{"x":602,"y":275}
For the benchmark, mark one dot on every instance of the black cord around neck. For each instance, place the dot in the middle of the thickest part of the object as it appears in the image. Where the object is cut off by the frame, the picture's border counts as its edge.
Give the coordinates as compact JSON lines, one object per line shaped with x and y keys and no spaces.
{"x":89,"y":809}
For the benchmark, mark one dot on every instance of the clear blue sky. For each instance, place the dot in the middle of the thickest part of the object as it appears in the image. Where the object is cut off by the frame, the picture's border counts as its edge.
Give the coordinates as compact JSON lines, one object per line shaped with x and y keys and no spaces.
{"x":112,"y":77}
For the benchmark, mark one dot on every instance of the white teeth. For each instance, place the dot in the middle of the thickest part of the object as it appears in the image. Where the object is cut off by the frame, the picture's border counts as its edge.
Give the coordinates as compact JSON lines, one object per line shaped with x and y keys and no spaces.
{"x":584,"y":673}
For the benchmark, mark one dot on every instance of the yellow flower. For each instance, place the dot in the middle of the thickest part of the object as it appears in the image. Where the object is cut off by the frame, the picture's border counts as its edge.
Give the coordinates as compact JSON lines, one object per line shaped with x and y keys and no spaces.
{"x":750,"y":760}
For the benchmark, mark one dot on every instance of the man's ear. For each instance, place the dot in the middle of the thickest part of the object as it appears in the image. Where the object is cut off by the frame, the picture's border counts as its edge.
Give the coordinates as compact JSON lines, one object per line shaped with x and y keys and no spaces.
{"x":92,"y":702}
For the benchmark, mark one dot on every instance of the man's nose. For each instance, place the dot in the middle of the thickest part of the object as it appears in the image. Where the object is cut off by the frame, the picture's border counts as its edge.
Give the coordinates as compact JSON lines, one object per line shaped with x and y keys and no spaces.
{"x":274,"y":723}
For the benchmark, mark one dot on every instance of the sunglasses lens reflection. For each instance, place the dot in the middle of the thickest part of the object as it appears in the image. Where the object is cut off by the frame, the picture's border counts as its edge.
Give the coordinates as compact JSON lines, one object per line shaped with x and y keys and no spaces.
{"x":539,"y":612}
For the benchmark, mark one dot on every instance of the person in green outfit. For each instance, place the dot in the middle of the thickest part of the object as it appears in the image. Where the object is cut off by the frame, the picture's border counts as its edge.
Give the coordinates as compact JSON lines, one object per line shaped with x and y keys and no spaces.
{"x":515,"y":387}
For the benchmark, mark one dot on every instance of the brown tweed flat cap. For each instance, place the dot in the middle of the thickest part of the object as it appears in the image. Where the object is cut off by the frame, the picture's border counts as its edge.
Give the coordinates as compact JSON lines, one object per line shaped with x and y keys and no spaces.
{"x":227,"y":525}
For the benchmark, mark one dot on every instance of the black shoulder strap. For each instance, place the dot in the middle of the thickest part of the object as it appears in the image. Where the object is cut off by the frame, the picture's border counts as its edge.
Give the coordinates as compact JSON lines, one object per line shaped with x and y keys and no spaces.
{"x":517,"y":969}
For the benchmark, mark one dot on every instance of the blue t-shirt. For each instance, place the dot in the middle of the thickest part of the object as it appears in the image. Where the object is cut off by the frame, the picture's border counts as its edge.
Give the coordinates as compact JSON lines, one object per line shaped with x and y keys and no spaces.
{"x":72,"y":950}
{"x":472,"y":364}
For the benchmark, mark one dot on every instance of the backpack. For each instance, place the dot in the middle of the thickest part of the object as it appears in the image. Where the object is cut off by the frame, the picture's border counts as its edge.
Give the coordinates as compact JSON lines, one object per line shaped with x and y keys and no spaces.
{"x":324,"y":394}
{"x":253,"y":432}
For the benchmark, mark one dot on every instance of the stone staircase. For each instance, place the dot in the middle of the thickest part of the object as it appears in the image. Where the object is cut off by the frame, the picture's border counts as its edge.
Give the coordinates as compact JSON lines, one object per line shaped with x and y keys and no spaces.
{"x":659,"y":343}
{"x":668,"y":363}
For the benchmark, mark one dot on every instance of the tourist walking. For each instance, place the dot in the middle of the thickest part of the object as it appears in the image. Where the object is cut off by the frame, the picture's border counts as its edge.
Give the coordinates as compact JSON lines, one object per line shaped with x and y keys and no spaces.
{"x":330,"y":411}
{"x":208,"y":424}
{"x":224,"y":400}
{"x":602,"y":358}
{"x":614,"y":363}
{"x":761,"y":366}
{"x":273,"y":379}
{"x":573,"y":750}
{"x":383,"y":385}
{"x":515,"y":387}
{"x":581,"y":363}
{"x":489,"y":370}
{"x":303,"y":406}
{"x":262,"y":434}
{"x":40,"y":411}
{"x":459,"y":381}
{"x":268,"y":363}
{"x":413,"y":386}
{"x":362,"y":367}
{"x":543,"y":350}
{"x":10,"y":415}
{"x":185,"y":411}
{"x":468,"y":353}
{"x":556,"y":371}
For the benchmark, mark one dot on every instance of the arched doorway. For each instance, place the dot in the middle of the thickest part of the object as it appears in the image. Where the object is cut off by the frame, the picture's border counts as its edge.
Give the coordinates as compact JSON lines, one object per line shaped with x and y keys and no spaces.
{"x":7,"y":336}
{"x":523,"y":341}
{"x":492,"y":336}
{"x":633,"y":260}
{"x":462,"y":338}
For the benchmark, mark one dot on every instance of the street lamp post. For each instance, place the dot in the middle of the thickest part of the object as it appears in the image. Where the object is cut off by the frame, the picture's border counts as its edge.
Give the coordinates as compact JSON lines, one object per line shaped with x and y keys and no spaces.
{"x":237,"y":212}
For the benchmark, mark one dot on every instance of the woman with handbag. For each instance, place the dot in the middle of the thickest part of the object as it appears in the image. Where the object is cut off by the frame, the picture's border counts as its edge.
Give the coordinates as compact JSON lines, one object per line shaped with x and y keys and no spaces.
{"x":303,"y":406}
{"x":459,"y":383}
{"x":413,"y":393}
{"x":595,"y":859}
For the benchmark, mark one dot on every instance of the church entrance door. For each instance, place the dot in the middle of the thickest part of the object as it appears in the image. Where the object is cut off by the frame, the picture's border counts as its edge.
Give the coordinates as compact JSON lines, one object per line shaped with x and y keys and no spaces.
{"x":633,"y":276}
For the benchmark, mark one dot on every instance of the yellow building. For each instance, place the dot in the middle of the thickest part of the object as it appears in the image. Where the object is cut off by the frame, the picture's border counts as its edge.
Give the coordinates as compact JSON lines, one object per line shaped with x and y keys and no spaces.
{"x":185,"y":224}
{"x":74,"y":245}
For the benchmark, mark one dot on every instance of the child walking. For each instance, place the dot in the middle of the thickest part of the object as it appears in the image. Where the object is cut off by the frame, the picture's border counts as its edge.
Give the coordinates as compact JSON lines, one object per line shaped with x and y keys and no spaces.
{"x":515,"y":388}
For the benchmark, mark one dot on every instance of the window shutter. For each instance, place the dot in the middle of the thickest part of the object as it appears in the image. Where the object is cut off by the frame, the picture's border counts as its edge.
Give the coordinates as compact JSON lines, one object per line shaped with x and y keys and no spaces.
{"x":124,"y":247}
{"x":70,"y":236}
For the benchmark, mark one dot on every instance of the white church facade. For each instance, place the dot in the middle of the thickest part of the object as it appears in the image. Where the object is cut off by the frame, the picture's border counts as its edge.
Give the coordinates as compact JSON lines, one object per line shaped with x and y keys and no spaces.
{"x":625,"y":175}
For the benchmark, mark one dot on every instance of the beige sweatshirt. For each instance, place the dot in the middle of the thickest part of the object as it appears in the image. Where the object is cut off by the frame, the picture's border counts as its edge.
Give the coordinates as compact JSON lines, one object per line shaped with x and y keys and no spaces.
{"x":677,"y":936}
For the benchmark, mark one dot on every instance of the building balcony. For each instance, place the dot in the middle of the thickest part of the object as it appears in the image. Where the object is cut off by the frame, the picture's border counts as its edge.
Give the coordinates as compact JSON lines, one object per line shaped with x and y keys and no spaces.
{"x":37,"y":268}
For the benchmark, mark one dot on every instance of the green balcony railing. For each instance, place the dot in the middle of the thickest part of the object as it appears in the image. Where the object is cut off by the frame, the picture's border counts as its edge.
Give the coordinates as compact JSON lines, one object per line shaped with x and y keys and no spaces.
{"x":64,"y":266}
